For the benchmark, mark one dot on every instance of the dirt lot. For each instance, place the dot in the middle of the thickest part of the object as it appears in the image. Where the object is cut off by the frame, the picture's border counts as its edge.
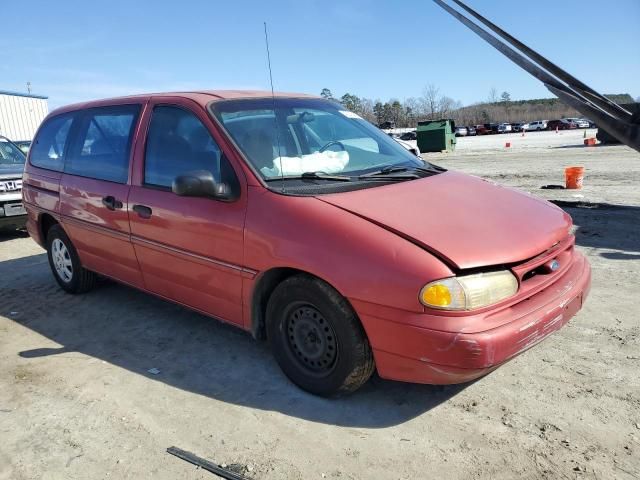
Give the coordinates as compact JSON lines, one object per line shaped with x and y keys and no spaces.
{"x":77,"y":401}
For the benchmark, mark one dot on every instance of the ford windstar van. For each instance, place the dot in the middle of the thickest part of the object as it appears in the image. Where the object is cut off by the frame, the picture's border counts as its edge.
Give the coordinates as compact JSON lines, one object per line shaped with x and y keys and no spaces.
{"x":298,"y":221}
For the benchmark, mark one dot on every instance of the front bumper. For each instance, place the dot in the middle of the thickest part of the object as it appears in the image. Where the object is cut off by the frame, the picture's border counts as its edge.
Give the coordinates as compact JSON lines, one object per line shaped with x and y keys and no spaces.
{"x":12,"y":212}
{"x":406,"y":349}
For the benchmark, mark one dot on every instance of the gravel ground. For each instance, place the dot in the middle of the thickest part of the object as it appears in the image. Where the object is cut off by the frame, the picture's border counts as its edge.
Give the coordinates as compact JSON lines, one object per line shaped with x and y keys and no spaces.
{"x":77,"y":400}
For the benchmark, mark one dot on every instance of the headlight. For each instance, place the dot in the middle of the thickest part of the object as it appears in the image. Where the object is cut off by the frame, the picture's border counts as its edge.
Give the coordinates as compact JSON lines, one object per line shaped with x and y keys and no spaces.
{"x":469,"y":291}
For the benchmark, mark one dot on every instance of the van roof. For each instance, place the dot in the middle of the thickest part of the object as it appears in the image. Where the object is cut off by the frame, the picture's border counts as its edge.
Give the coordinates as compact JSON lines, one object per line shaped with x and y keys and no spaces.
{"x":200,"y":96}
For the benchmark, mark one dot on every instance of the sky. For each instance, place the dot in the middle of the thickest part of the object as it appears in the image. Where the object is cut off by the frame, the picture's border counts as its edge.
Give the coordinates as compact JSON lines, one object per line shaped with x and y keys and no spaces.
{"x":73,"y":50}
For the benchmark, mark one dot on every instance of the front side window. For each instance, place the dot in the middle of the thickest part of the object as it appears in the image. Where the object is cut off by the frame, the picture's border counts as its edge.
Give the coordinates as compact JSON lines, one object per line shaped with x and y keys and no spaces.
{"x":103,"y":145}
{"x":299,"y":136}
{"x":49,"y":147}
{"x":178,"y":143}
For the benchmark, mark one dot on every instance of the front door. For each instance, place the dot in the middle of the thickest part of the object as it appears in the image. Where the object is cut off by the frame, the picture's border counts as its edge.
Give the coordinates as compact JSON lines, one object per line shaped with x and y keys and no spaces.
{"x":94,"y":190}
{"x":190,"y":249}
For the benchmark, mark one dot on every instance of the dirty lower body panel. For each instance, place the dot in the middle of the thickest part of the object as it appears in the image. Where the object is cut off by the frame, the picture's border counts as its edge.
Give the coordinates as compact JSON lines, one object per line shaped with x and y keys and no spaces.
{"x":413,"y":353}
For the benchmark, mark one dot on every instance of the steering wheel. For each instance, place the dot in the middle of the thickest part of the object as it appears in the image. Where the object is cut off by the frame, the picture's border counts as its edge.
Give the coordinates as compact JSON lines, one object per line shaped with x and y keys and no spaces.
{"x":329,"y":144}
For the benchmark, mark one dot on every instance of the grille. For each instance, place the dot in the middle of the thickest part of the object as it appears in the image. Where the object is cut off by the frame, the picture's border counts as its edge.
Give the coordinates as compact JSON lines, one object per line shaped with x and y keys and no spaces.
{"x":543,"y":269}
{"x":10,"y":185}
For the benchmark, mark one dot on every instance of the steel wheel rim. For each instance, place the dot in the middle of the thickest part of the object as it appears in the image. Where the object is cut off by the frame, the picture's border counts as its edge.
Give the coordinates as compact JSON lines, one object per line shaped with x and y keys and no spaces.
{"x":311,"y":340}
{"x":61,"y":260}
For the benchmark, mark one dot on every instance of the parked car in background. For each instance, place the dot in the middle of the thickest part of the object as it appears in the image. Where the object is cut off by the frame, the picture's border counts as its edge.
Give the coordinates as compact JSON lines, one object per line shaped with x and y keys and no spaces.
{"x":487,"y":129}
{"x":23,"y":145}
{"x":461,"y":131}
{"x":561,"y":124}
{"x":538,"y":125}
{"x":516,"y":127}
{"x":525,"y":127}
{"x":504,"y":128}
{"x":471,"y":131}
{"x":297,"y":221}
{"x":482,"y":130}
{"x":580,"y":122}
{"x":12,"y":159}
{"x":412,"y":135}
{"x":412,"y":147}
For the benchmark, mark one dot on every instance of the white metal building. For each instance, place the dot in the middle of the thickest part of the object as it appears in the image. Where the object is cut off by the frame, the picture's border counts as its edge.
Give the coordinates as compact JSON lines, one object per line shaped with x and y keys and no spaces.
{"x":21,"y":114}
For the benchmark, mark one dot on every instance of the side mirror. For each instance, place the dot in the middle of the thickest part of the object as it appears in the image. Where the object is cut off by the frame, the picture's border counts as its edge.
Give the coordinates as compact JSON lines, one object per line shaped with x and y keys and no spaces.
{"x":200,"y":183}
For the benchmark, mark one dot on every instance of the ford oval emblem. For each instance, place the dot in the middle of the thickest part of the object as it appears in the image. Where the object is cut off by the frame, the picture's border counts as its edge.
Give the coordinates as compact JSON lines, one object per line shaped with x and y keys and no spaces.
{"x":554,"y":265}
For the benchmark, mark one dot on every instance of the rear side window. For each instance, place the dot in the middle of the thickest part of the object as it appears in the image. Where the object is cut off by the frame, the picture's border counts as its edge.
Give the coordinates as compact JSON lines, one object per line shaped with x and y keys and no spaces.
{"x":49,"y":147}
{"x":102,"y":146}
{"x":177,"y":143}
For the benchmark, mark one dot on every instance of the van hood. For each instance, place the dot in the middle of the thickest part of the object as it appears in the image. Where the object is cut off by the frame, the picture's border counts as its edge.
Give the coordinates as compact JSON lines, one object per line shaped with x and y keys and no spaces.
{"x":467,"y":221}
{"x":10,"y":172}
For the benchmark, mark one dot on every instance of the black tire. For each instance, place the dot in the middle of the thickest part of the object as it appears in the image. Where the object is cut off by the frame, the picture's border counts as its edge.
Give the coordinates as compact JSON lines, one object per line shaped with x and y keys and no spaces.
{"x":316,"y":337}
{"x":80,"y":280}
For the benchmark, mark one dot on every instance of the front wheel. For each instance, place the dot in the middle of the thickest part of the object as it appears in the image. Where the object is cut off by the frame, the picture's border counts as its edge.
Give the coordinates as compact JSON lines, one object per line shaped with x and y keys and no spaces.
{"x":317,"y":338}
{"x":65,"y":263}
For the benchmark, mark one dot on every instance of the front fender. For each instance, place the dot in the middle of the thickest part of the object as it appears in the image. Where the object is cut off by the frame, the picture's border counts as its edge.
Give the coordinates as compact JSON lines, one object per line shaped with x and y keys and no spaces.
{"x":361,"y":260}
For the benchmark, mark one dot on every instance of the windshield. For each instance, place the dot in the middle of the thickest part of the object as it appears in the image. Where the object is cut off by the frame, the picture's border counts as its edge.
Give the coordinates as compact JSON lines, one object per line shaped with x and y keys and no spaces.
{"x":10,"y":155}
{"x":308,"y":135}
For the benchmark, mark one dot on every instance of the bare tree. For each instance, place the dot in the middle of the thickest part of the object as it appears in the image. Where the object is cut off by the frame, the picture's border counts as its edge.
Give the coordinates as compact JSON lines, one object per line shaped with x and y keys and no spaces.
{"x":446,"y":105}
{"x":493,"y":95}
{"x":367,"y":110}
{"x":429,"y":100}
{"x":413,"y":111}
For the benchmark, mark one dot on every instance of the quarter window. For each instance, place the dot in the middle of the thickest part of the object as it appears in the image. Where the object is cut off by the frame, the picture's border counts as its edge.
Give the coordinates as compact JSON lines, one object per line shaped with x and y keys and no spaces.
{"x":49,"y":147}
{"x":178,"y":143}
{"x":103,"y":144}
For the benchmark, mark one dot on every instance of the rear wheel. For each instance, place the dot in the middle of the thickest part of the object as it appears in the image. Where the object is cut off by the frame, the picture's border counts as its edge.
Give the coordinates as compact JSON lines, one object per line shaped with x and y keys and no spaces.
{"x":317,"y":338}
{"x":65,"y":263}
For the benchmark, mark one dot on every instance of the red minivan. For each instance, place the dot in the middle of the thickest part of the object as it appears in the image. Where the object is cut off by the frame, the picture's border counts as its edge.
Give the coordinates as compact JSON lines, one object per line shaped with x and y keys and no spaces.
{"x":302,"y":223}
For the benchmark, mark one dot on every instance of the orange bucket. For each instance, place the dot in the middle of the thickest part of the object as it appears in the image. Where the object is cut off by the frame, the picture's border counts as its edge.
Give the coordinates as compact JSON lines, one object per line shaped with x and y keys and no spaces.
{"x":573,"y":177}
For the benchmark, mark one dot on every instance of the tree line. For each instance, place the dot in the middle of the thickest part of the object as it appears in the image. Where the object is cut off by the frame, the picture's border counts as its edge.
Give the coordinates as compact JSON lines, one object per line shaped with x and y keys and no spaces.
{"x":434,"y":104}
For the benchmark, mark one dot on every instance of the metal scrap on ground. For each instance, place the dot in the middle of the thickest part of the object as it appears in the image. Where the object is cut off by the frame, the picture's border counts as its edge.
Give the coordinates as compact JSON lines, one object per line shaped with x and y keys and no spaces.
{"x":205,"y":464}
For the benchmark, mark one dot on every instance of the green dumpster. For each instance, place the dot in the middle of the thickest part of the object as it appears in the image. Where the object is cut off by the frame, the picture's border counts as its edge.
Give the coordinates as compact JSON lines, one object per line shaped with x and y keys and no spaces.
{"x":436,"y":136}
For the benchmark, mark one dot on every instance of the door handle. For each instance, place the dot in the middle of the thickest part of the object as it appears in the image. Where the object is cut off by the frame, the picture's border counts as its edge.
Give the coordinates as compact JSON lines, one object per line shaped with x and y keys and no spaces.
{"x":142,"y":211}
{"x":111,"y":202}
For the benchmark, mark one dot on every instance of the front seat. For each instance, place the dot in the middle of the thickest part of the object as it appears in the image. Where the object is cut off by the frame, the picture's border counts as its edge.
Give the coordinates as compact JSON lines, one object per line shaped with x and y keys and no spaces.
{"x":258,"y":146}
{"x":165,"y":149}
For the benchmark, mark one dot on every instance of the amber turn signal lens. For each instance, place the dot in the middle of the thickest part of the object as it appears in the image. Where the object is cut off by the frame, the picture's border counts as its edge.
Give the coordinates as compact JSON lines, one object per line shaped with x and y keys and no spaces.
{"x":437,"y":295}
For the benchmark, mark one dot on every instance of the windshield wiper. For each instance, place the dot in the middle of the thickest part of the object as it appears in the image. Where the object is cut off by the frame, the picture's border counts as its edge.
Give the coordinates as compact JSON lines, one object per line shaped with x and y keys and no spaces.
{"x":389,"y":169}
{"x":312,"y":176}
{"x":430,"y":169}
{"x":386,"y":170}
{"x":325,"y":176}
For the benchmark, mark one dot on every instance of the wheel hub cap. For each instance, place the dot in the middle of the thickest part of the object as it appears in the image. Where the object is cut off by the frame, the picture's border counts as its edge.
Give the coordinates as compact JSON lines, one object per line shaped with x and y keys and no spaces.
{"x":61,"y":260}
{"x":311,"y":339}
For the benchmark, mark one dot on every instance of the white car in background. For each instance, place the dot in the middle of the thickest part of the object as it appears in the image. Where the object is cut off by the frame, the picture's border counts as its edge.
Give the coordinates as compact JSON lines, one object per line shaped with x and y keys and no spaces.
{"x":538,"y":125}
{"x":409,"y":145}
{"x":580,"y":122}
{"x":504,"y":128}
{"x":461,"y":132}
